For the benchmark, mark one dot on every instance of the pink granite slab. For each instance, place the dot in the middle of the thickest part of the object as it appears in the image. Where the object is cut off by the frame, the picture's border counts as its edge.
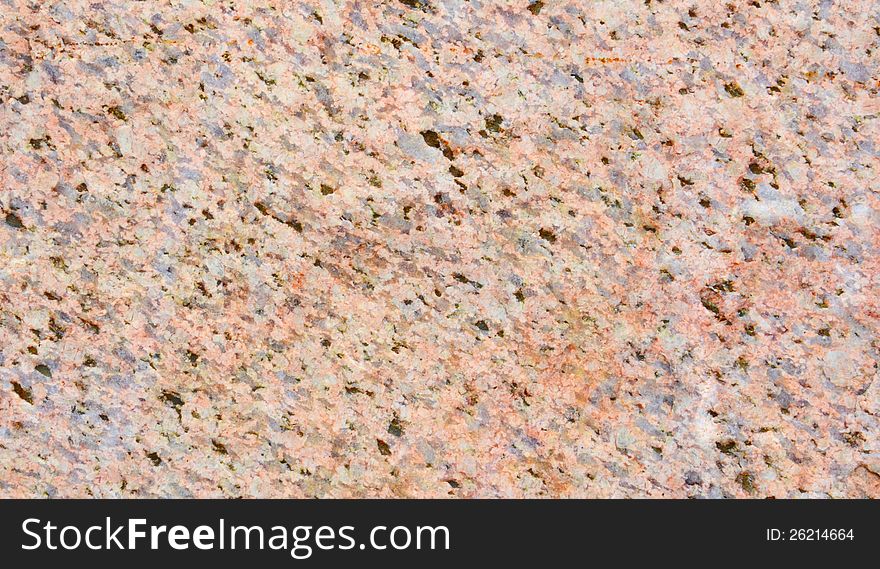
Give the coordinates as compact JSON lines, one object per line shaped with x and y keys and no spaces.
{"x":434,"y":248}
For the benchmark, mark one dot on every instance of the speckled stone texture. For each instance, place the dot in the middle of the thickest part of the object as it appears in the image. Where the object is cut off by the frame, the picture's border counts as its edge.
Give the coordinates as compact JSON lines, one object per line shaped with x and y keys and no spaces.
{"x":431,"y":248}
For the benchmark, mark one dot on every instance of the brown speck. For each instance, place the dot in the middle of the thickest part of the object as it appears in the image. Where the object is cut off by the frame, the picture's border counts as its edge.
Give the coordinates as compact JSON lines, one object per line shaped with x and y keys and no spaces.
{"x":710,"y":306}
{"x":116,"y":112}
{"x":384,"y":449}
{"x":747,"y":185}
{"x":23,"y":392}
{"x":547,"y":235}
{"x":747,"y":481}
{"x":684,"y":181}
{"x":733,"y":89}
{"x":723,"y":286}
{"x":494,"y":122}
{"x":219,"y":447}
{"x":727,"y":446}
{"x":432,"y":139}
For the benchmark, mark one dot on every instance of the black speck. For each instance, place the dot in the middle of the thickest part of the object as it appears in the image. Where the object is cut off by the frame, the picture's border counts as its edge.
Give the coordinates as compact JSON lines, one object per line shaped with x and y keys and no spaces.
{"x":172,"y":398}
{"x":692,"y":478}
{"x":463,"y":279}
{"x":395,"y":428}
{"x":44,"y":369}
{"x":13,"y":220}
{"x":417,"y":5}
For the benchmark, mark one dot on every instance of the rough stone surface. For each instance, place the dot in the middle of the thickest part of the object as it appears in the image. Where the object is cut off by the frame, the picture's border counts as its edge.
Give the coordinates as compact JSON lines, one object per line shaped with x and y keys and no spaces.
{"x":439,"y":248}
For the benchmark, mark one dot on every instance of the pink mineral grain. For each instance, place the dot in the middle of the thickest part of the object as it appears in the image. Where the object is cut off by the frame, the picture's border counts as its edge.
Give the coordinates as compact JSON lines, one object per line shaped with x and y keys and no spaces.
{"x":439,"y":249}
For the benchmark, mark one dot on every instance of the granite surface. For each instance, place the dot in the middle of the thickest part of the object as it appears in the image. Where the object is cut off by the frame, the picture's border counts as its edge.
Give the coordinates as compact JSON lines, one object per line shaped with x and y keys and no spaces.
{"x":429,"y":248}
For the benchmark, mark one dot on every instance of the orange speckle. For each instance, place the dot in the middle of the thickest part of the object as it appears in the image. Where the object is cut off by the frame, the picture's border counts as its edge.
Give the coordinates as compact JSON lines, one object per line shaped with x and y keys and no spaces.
{"x":605,"y":60}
